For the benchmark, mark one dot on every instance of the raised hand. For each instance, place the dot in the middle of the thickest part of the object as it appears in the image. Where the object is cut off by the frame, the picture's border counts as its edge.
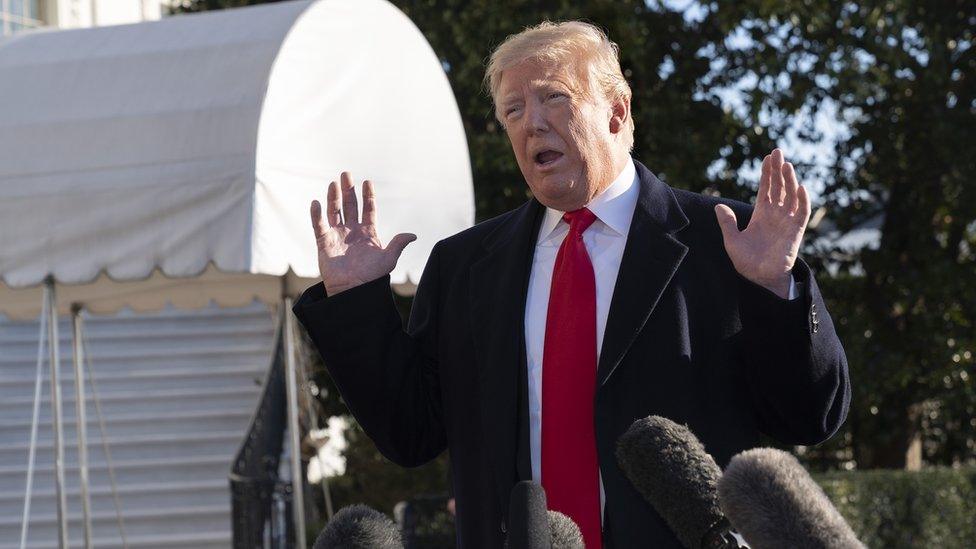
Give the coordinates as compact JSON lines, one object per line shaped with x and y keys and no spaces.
{"x":766,"y":250}
{"x":350,"y":253}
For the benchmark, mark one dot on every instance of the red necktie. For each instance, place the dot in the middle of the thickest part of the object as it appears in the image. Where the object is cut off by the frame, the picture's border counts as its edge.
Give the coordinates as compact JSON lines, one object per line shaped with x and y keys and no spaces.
{"x":570,"y":471}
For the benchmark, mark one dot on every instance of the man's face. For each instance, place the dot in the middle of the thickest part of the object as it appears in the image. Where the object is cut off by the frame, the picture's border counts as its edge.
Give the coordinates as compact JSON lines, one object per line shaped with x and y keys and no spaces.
{"x":560,"y":129}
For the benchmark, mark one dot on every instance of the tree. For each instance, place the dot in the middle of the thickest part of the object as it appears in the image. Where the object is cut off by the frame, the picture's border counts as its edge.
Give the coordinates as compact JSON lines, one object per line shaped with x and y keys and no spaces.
{"x":196,"y":6}
{"x":682,"y":129}
{"x":900,"y":75}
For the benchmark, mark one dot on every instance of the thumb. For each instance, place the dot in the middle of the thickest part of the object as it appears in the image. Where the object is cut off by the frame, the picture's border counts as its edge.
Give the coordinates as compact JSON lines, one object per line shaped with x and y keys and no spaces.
{"x":399,"y":242}
{"x":727,"y":222}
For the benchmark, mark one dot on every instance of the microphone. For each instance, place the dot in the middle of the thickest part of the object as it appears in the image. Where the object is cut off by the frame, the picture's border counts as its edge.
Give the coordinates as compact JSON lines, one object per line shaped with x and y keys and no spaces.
{"x":359,"y":527}
{"x":669,"y":467}
{"x":773,"y":502}
{"x":528,"y":520}
{"x":531,"y":526}
{"x":565,"y":533}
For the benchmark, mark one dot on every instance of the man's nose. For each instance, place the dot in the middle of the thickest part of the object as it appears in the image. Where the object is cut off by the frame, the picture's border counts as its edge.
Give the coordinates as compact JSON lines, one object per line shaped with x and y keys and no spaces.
{"x":535,"y":119}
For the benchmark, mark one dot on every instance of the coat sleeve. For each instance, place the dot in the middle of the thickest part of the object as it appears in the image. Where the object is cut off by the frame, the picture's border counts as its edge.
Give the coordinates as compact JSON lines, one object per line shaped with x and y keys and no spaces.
{"x":792,"y":361}
{"x":387,"y":376}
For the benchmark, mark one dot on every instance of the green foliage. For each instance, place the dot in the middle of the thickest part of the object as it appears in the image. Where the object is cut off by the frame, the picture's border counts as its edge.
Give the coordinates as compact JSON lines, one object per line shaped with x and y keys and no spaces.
{"x":900,"y":77}
{"x":890,"y":509}
{"x":196,"y":6}
{"x":905,"y":510}
{"x":373,"y":480}
{"x":681,"y":128}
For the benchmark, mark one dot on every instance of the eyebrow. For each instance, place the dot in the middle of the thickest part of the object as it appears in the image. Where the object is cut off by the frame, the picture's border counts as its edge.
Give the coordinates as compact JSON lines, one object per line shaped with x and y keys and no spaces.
{"x":546,"y":86}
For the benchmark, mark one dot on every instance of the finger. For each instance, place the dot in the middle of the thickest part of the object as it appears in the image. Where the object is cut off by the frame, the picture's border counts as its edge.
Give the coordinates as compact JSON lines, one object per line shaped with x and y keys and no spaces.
{"x":727,"y":223}
{"x":790,"y":183}
{"x":776,"y":191}
{"x":369,"y":204}
{"x":318,"y":224}
{"x":399,"y":242}
{"x":763,"y":195}
{"x":350,"y":205}
{"x":332,"y":212}
{"x":803,"y":205}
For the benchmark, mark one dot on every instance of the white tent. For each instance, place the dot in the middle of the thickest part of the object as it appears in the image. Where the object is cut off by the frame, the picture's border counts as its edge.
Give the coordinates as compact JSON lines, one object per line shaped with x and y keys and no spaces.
{"x":180,"y":156}
{"x":173,"y":162}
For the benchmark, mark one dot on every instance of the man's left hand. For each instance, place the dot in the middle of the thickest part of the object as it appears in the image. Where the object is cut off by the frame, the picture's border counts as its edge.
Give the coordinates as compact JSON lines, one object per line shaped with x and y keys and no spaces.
{"x":766,"y":250}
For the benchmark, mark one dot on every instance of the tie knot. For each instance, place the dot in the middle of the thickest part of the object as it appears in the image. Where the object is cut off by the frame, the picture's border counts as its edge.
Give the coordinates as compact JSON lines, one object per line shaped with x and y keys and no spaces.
{"x":579,"y":220}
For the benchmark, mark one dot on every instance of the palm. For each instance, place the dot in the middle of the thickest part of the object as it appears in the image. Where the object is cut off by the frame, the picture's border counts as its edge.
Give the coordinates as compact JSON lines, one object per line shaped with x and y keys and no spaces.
{"x":767,"y":249}
{"x":350,"y":252}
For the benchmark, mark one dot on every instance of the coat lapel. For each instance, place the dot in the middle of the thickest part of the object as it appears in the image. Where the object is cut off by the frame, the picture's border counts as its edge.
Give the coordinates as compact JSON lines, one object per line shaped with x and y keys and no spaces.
{"x":499,"y":283}
{"x":497,"y":293}
{"x":651,"y":257}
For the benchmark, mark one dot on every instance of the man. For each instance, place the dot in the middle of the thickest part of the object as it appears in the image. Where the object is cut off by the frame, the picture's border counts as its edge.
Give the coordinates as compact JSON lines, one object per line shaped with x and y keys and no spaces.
{"x":537,"y":337}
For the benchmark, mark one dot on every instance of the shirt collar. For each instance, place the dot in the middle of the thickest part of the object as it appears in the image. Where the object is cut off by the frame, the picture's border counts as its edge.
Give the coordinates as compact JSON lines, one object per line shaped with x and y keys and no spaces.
{"x":614,"y":206}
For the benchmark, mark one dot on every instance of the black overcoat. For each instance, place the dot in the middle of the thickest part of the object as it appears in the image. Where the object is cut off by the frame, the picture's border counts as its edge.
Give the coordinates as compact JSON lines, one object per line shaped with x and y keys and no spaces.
{"x":686,"y":338}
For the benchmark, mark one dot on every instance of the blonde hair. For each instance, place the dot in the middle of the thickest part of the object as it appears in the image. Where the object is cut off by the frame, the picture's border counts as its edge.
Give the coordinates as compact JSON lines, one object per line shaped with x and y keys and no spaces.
{"x":557,"y":43}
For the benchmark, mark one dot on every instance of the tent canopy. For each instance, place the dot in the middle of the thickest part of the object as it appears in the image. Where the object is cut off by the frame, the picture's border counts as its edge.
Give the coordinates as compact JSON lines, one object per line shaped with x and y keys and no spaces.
{"x":174,"y":161}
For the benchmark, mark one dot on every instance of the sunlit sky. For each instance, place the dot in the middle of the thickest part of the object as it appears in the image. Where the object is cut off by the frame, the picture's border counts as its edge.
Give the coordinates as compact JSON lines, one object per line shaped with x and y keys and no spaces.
{"x":795,"y":150}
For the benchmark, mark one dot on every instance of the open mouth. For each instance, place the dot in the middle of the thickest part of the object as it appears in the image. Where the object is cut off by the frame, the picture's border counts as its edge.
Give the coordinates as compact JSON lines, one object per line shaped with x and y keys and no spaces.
{"x":547,"y":158}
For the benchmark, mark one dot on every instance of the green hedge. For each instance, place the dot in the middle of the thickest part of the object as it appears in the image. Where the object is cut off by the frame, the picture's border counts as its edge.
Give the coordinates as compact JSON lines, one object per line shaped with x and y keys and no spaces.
{"x":901,"y":509}
{"x":931,"y":509}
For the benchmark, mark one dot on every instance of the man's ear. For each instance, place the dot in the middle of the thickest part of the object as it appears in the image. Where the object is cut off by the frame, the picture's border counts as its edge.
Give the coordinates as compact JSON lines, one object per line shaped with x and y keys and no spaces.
{"x":619,"y":114}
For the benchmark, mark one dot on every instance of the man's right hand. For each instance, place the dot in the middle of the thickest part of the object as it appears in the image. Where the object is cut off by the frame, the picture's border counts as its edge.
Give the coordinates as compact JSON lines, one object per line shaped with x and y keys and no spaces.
{"x":350,"y":253}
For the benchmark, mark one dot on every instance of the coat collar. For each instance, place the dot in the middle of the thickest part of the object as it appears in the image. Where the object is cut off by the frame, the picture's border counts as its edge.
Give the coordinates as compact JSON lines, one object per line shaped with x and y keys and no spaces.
{"x":614,"y":207}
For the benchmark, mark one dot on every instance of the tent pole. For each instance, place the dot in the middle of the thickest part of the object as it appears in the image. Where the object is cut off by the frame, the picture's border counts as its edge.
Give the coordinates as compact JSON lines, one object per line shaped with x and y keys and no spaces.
{"x":56,"y":414}
{"x":81,"y":419}
{"x":291,"y":384}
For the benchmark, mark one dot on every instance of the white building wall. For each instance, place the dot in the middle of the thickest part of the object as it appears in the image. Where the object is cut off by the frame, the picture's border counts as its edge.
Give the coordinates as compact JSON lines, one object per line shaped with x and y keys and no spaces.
{"x":69,"y":14}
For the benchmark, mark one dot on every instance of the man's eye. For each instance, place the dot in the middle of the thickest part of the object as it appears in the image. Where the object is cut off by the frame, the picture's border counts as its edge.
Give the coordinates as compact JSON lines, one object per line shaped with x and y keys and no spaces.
{"x":555,"y":95}
{"x":512,"y":110}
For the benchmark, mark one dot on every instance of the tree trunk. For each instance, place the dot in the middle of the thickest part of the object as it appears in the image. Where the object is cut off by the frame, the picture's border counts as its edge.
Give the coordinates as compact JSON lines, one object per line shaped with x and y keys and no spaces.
{"x":900,"y":448}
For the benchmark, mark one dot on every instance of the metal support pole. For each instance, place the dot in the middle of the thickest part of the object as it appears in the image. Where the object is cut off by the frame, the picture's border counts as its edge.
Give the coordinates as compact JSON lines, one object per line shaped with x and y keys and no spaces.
{"x":56,"y":415}
{"x":82,"y":422}
{"x":327,"y":494}
{"x":291,"y":384}
{"x":35,"y":416}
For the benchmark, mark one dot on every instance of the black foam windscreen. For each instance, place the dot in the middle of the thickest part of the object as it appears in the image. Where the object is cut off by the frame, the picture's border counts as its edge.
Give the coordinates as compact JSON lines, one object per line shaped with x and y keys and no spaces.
{"x":565,"y":534}
{"x":773,"y":502}
{"x":669,"y":467}
{"x":528,"y":519}
{"x":359,"y":527}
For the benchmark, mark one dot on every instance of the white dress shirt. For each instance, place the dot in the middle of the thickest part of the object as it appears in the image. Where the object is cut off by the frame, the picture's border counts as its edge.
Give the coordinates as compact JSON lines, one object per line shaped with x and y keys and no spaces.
{"x":605,"y":240}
